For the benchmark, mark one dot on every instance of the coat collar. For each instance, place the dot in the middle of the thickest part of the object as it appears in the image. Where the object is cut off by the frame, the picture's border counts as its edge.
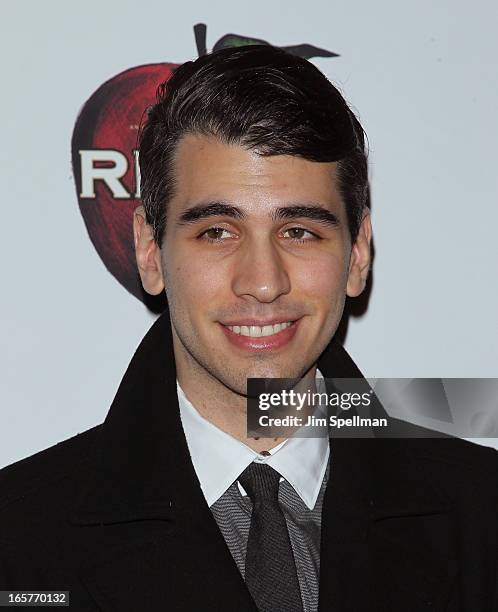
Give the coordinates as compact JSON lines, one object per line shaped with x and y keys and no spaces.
{"x":142,"y":471}
{"x":141,"y":464}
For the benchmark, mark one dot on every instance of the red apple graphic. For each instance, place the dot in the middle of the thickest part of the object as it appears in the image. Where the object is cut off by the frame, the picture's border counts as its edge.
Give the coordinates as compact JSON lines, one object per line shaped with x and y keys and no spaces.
{"x":105,"y":161}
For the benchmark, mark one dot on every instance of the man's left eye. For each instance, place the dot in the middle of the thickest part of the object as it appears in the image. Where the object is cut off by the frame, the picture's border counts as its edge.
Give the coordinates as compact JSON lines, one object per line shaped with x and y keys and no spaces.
{"x":299,"y":234}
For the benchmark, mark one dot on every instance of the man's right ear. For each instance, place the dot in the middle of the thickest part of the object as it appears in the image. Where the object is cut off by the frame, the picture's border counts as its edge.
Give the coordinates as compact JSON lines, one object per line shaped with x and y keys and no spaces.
{"x":148,"y":253}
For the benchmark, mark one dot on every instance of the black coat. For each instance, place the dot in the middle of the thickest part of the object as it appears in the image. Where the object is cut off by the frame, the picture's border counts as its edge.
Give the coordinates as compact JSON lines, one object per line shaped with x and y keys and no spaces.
{"x":116,"y":515}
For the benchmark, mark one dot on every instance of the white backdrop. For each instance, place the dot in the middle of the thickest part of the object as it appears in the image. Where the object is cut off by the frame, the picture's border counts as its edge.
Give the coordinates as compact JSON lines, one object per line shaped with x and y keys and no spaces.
{"x":422,"y":77}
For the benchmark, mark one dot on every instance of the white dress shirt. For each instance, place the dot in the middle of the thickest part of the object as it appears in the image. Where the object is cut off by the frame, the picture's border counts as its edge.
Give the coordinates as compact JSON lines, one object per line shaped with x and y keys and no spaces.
{"x":219,"y":458}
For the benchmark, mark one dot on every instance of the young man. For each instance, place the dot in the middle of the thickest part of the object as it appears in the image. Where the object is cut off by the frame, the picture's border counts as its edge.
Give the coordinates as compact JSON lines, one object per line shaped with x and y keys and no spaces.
{"x":255,"y":223}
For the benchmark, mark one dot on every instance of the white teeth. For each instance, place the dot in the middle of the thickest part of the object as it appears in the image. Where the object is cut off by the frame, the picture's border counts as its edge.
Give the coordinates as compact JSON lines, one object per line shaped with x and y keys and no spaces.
{"x":255,"y":331}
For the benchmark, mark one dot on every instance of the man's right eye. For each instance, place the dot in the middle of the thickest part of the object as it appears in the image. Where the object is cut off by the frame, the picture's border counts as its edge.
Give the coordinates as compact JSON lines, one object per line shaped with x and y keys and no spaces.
{"x":214,"y":234}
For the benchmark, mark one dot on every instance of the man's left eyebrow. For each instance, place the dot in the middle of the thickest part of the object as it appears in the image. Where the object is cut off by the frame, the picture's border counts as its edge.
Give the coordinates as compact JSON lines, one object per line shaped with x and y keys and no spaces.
{"x":316,"y":212}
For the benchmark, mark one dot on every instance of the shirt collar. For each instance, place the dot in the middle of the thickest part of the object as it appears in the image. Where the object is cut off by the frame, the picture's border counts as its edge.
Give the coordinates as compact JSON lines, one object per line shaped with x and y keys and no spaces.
{"x":219,"y":458}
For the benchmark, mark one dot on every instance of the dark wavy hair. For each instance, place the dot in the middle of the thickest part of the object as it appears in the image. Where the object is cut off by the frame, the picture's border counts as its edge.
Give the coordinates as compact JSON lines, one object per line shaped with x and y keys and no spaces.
{"x":259,"y":97}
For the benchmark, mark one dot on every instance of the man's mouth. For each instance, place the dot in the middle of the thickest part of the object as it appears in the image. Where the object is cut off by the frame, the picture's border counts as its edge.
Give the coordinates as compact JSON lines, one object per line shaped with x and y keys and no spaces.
{"x":267,"y":335}
{"x":258,"y":331}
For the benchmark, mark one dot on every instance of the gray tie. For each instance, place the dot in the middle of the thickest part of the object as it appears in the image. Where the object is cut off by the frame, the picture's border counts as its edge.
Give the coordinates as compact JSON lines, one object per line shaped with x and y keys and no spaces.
{"x":270,"y":569}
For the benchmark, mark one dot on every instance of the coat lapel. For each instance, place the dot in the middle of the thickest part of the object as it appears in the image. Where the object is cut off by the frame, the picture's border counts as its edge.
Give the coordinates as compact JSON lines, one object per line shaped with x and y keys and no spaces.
{"x":149,"y":540}
{"x":182,"y":567}
{"x":387,"y":532}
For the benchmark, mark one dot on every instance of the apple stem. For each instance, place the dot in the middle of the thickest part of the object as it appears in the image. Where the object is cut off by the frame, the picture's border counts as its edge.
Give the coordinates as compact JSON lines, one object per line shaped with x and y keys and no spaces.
{"x":200,"y":38}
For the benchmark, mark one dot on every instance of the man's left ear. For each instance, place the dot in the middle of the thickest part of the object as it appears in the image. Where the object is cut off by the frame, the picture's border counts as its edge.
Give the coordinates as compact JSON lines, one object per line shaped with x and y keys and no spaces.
{"x":360,"y":259}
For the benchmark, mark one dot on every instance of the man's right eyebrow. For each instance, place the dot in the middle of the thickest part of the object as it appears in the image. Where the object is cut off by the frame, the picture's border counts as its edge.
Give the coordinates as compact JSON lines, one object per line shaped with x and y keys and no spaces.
{"x":205,"y":210}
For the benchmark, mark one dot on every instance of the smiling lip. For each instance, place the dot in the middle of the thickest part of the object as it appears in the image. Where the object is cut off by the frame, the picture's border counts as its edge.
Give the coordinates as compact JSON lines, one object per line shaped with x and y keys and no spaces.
{"x":258,"y":322}
{"x":261,"y":343}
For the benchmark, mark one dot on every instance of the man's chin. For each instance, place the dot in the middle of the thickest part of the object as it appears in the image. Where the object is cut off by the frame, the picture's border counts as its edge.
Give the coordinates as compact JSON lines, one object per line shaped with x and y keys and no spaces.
{"x":237,"y":381}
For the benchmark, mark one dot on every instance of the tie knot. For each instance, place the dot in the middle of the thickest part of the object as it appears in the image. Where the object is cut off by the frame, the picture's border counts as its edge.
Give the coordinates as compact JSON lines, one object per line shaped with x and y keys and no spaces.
{"x":260,"y":482}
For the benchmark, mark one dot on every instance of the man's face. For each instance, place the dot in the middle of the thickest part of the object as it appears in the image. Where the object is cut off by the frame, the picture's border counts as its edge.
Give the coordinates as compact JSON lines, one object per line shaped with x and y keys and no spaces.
{"x":255,"y":259}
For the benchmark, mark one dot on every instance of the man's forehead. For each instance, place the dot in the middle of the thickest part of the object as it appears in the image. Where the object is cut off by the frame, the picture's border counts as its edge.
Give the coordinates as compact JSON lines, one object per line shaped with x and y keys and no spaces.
{"x":207,"y":168}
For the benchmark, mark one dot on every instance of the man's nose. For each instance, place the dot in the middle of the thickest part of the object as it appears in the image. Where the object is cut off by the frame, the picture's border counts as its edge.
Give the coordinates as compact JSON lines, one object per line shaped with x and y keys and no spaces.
{"x":260,"y":272}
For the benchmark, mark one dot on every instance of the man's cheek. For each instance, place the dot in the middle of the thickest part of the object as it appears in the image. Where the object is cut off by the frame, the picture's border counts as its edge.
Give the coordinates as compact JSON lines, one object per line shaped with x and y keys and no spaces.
{"x":323,"y":283}
{"x":183,"y":274}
